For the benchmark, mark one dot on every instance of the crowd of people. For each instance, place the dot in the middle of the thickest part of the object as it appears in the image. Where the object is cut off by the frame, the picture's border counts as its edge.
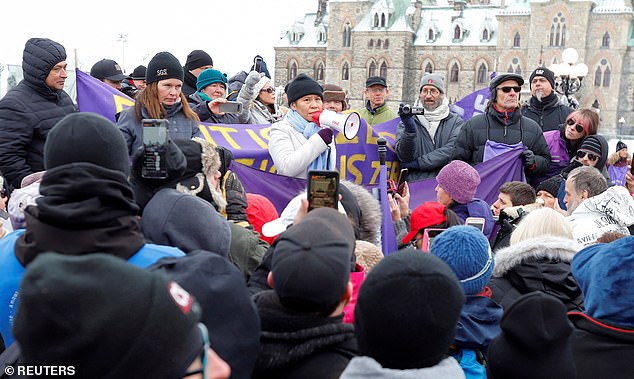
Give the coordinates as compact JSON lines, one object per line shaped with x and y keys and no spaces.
{"x":110,"y":272}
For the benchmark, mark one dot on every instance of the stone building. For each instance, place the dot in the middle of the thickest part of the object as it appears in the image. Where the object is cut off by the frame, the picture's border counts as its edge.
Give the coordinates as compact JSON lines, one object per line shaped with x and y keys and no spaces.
{"x":345,"y":41}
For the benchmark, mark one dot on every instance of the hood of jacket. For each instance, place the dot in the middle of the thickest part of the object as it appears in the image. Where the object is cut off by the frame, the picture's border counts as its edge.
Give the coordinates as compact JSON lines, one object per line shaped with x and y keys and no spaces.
{"x":543,"y":248}
{"x":479,"y":323}
{"x":366,"y":367}
{"x":39,"y":57}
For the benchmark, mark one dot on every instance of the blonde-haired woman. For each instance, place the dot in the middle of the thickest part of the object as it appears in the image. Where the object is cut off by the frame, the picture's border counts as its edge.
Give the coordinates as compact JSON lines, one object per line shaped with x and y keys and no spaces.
{"x":538,"y":259}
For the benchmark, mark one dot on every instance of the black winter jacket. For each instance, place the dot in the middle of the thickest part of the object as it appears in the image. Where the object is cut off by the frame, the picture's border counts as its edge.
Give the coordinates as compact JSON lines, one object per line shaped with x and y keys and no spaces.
{"x":30,"y":110}
{"x":549,"y":114}
{"x":508,"y":128}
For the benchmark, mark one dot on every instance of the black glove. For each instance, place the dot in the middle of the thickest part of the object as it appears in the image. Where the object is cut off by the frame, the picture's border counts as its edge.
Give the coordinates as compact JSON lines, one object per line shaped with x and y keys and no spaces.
{"x":528,"y":157}
{"x":413,"y":165}
{"x":326,"y":135}
{"x":407,"y":119}
{"x":236,"y":197}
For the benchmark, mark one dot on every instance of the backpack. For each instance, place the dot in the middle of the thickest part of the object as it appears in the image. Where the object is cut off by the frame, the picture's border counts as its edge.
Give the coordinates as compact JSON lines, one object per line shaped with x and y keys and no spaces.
{"x":472,"y":361}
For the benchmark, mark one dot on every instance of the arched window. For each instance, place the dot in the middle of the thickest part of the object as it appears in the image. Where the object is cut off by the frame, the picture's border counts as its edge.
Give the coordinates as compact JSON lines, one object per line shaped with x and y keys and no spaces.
{"x":383,"y":23}
{"x":347,"y":34}
{"x":383,"y":70}
{"x":605,"y":41}
{"x":378,"y":44}
{"x":563,"y":36}
{"x":518,"y":70}
{"x":428,"y":68}
{"x":606,"y":77}
{"x":454,"y":73}
{"x":482,"y":74}
{"x":485,"y":35}
{"x":430,"y":34}
{"x":345,"y":71}
{"x":558,"y":31}
{"x":597,"y":77}
{"x":510,"y":68}
{"x":517,"y":39}
{"x":319,"y":72}
{"x":386,"y":44}
{"x":552,"y":35}
{"x":456,"y":32}
{"x":292,"y":71}
{"x":370,"y":43}
{"x":557,"y":35}
{"x":372,"y":69}
{"x":376,"y":20}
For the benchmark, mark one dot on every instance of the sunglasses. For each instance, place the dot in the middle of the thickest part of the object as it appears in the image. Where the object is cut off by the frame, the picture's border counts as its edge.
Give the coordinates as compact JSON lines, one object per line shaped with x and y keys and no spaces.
{"x":592,"y":157}
{"x":516,"y":89}
{"x":268,"y":90}
{"x":203,"y":354}
{"x":578,"y":127}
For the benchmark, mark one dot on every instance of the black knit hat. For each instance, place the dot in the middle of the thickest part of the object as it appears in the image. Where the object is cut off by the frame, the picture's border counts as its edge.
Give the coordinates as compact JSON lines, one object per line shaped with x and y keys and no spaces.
{"x":198,"y":58}
{"x":311,"y":262}
{"x":106,"y":317}
{"x":407,"y":310}
{"x":620,"y":146}
{"x":86,"y":137}
{"x":550,"y":185}
{"x":534,"y":342}
{"x":301,"y":86}
{"x":138,"y":73}
{"x":164,"y":66}
{"x":546,"y":73}
{"x":591,"y":144}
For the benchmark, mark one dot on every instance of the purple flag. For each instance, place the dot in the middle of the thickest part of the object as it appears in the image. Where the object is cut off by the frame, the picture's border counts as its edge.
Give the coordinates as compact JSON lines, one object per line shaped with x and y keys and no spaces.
{"x":472,"y":104}
{"x":93,"y":95}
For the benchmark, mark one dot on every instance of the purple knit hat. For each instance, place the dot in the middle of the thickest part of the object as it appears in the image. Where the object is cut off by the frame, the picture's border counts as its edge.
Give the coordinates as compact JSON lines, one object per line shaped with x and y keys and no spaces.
{"x":459,"y":180}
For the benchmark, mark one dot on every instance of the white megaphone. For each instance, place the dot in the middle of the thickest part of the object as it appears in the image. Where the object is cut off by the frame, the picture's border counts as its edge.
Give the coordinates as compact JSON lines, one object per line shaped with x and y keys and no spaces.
{"x":346,"y":123}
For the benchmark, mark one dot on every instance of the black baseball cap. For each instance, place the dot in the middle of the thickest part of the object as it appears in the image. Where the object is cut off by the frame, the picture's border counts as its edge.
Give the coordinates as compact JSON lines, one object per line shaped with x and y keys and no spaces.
{"x":372,"y":80}
{"x":107,"y":69}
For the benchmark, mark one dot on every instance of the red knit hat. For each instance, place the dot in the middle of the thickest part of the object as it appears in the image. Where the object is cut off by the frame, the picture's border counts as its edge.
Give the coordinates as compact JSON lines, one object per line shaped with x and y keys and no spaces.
{"x":427,"y":214}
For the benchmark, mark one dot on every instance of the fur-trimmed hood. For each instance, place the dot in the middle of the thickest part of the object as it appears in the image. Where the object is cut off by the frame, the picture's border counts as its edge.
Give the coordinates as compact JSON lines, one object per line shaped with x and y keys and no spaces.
{"x":550,"y":247}
{"x":370,"y":222}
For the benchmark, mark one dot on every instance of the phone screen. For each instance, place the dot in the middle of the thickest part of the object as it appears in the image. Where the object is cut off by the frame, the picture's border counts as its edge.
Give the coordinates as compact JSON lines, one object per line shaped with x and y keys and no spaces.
{"x":402,"y":177}
{"x":257,"y":66}
{"x":323,"y":189}
{"x":230,"y":107}
{"x":476,"y":222}
{"x":155,"y":136}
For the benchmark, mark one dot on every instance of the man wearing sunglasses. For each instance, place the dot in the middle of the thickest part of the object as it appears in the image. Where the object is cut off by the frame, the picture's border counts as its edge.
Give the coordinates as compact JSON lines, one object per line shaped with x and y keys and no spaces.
{"x":502,"y":128}
{"x":544,"y":107}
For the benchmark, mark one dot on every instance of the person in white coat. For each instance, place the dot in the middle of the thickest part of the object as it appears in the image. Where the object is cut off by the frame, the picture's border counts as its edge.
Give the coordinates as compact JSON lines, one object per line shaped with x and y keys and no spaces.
{"x":258,"y":96}
{"x":297,"y":144}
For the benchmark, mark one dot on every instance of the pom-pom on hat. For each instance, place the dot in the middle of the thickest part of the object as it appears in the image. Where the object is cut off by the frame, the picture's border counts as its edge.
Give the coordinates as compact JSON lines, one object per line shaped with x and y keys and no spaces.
{"x":460,"y":180}
{"x":466,"y":250}
{"x":164,"y":66}
{"x":301,"y":86}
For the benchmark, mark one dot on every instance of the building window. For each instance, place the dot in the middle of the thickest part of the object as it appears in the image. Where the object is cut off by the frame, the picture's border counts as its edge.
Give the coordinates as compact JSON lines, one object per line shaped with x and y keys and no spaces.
{"x":518,"y":70}
{"x":370,"y":44}
{"x":376,"y":20}
{"x":378,"y":44}
{"x":606,"y":77}
{"x":428,"y":68}
{"x":517,"y":39}
{"x":510,"y":69}
{"x":386,"y":44}
{"x":482,"y":74}
{"x":563,"y":36}
{"x":292,"y":71}
{"x":321,"y":38}
{"x":372,"y":69}
{"x":557,"y":36}
{"x":605,"y":41}
{"x":456,"y":32}
{"x":485,"y":35}
{"x":454,"y":73}
{"x":345,"y":71}
{"x":347,"y":34}
{"x":319,"y":72}
{"x":383,"y":20}
{"x":597,"y":77}
{"x":383,"y":70}
{"x":430,"y":34}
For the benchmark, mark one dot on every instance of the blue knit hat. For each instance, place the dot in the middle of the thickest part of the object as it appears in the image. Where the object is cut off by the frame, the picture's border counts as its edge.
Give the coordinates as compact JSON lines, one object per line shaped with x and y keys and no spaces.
{"x":210,"y":76}
{"x":466,"y":250}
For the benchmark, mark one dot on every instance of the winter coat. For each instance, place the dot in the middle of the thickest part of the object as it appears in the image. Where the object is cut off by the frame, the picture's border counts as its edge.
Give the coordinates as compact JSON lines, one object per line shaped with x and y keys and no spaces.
{"x":378,"y":115}
{"x":189,"y":82}
{"x":610,"y":211}
{"x":201,"y":108}
{"x":601,"y":349}
{"x":539,"y":264}
{"x":257,"y":113}
{"x":549,"y":113}
{"x":494,"y":126}
{"x":366,"y":367}
{"x":475,"y":208}
{"x":292,"y":152}
{"x":300,"y":345}
{"x":247,"y":249}
{"x":617,"y":169}
{"x":29,"y":111}
{"x":179,"y":126}
{"x":478,"y":324}
{"x":432,"y":154}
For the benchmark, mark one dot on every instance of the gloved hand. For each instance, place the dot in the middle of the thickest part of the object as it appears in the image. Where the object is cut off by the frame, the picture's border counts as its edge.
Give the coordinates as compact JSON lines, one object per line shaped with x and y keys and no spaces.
{"x":236,"y":196}
{"x":528,"y":157}
{"x":326,"y":135}
{"x":407,"y":119}
{"x":253,"y":78}
{"x":413,"y":165}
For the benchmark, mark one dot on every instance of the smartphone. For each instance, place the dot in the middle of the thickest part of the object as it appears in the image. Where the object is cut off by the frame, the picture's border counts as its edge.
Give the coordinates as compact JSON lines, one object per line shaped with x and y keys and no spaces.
{"x":391,"y":186}
{"x":323,"y":189}
{"x":230,"y":107}
{"x":428,"y":237}
{"x":477,"y":222}
{"x":402,"y":178}
{"x":155,"y":139}
{"x":257,"y":64}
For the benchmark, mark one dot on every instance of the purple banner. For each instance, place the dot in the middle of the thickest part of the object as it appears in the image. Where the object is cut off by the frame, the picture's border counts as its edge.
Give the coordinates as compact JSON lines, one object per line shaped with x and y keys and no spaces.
{"x":95,"y":96}
{"x":472,"y":104}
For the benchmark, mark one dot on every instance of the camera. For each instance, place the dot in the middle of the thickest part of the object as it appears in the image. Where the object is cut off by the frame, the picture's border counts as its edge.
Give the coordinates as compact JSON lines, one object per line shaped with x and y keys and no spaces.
{"x":408,"y":109}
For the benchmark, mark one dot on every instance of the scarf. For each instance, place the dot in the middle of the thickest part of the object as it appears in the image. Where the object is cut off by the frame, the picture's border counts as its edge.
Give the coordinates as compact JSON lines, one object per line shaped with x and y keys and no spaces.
{"x":432,"y":118}
{"x":204,"y":96}
{"x":308,"y":129}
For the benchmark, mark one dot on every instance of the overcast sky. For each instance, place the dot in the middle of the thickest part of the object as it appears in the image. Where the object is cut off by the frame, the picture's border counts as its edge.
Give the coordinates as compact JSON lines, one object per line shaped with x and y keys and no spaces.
{"x":231,"y":31}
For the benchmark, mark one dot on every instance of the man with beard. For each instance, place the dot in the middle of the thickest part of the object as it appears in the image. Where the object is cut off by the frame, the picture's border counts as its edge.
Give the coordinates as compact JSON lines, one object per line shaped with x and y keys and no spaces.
{"x":544,"y":107}
{"x":424,"y":143}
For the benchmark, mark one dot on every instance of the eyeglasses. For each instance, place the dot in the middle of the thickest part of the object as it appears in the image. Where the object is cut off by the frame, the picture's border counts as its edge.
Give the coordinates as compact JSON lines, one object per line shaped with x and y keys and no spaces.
{"x":578,"y":127}
{"x":268,"y":90}
{"x":430,"y":91}
{"x":203,"y":354}
{"x":592,"y":157}
{"x":517,"y":89}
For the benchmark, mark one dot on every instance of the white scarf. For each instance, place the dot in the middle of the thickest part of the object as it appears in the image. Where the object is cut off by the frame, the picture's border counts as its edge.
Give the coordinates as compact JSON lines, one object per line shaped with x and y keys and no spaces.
{"x":431,"y":119}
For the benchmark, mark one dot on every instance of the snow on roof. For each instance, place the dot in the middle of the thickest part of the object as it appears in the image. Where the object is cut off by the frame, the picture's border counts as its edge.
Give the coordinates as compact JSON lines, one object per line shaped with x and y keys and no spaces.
{"x":443,"y":20}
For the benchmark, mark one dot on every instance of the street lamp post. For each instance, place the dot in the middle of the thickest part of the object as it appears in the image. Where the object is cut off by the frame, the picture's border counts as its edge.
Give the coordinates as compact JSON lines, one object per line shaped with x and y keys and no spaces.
{"x":621,"y":126}
{"x":123,"y":38}
{"x":568,"y":75}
